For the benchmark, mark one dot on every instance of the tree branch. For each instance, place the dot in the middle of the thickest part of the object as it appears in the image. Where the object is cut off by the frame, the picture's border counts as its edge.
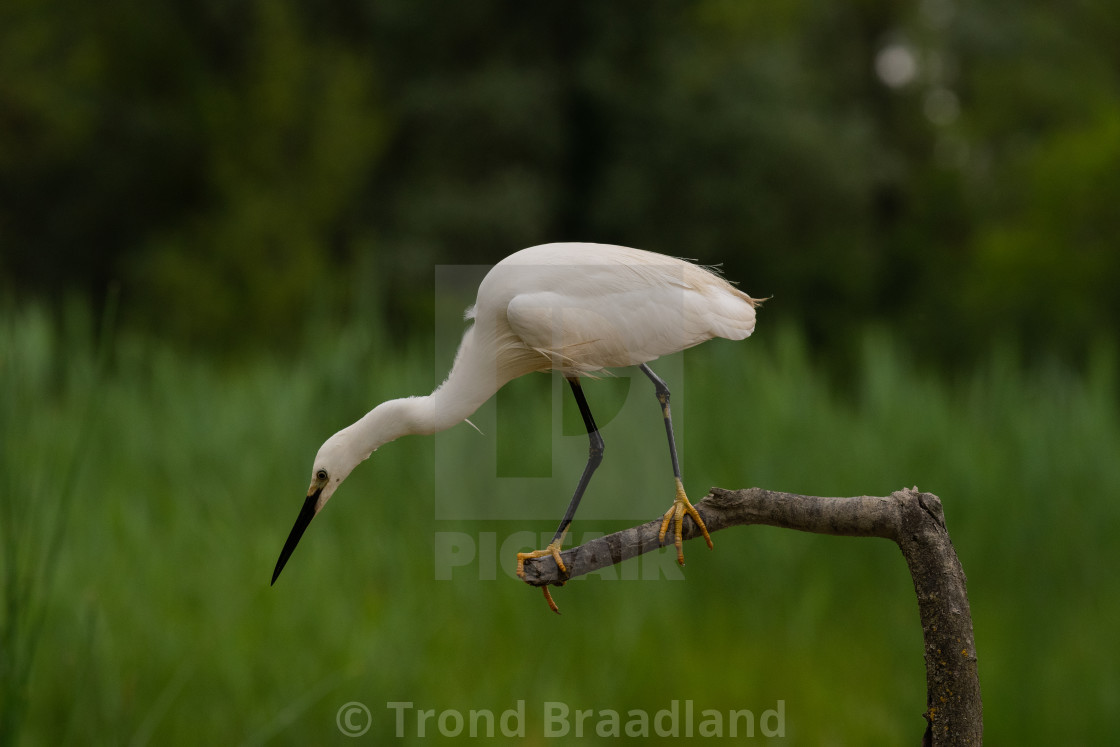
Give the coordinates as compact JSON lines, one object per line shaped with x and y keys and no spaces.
{"x":911,"y":519}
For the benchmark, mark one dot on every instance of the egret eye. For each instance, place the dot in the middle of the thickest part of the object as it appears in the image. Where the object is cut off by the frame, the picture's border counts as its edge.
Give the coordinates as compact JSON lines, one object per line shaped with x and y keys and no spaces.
{"x":321,"y":475}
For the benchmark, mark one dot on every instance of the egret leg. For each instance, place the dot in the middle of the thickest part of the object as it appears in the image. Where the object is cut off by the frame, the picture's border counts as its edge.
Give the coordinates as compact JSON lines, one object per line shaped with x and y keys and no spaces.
{"x":594,"y":458}
{"x":681,"y":504}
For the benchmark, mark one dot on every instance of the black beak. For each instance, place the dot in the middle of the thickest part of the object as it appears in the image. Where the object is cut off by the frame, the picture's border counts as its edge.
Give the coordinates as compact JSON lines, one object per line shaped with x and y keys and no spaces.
{"x":306,"y":514}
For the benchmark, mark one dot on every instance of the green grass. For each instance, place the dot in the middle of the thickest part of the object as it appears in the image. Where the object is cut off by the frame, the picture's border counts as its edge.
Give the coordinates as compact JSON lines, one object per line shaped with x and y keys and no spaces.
{"x":158,"y":625}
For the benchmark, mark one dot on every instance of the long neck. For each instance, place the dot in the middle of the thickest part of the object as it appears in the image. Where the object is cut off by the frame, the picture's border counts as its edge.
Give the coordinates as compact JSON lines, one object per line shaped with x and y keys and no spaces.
{"x":474,"y":378}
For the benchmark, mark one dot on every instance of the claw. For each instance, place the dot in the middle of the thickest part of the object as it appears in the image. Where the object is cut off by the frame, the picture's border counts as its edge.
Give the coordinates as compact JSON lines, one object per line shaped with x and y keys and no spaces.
{"x":676,"y":513}
{"x":552,"y":550}
{"x":548,"y":598}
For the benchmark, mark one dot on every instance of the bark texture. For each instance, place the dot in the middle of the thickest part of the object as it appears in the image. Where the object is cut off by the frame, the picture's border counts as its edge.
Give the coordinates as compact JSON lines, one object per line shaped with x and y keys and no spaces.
{"x":911,"y":519}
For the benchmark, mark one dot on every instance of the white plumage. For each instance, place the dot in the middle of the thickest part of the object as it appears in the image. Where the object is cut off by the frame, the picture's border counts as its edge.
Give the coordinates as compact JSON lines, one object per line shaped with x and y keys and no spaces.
{"x":571,"y":307}
{"x":584,"y":307}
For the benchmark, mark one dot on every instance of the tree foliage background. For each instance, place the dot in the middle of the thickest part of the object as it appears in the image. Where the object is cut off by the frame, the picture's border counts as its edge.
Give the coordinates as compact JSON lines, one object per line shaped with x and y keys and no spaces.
{"x":236,"y":168}
{"x":256,"y":198}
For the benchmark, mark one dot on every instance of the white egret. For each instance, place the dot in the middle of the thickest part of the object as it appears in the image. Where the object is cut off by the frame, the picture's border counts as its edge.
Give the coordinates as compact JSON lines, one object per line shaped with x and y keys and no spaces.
{"x":572,"y":308}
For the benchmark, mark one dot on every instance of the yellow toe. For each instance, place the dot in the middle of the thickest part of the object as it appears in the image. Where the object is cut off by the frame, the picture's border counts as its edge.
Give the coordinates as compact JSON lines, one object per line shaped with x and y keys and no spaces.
{"x":553,"y":550}
{"x":676,"y":513}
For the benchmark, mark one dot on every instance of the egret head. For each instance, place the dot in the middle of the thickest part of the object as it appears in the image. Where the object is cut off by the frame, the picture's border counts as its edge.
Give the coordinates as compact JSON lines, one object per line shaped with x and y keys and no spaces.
{"x":333,"y":464}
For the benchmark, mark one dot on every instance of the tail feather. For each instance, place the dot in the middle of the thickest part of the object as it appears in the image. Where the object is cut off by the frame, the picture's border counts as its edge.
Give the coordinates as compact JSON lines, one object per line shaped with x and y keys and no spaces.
{"x":729,"y":313}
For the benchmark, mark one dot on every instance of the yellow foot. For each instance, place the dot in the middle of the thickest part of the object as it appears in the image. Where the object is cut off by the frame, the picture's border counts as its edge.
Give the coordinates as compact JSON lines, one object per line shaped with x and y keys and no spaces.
{"x":548,"y":598}
{"x":553,"y":550}
{"x":676,"y":512}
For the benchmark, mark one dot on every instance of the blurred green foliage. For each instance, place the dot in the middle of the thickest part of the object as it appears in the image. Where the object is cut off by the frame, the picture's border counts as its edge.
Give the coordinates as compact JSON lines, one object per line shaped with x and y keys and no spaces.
{"x":158,"y":625}
{"x":285,"y":175}
{"x":950,"y":169}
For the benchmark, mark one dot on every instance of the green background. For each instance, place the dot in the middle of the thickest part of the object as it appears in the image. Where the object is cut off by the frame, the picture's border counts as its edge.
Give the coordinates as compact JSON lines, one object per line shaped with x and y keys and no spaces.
{"x":221,"y":226}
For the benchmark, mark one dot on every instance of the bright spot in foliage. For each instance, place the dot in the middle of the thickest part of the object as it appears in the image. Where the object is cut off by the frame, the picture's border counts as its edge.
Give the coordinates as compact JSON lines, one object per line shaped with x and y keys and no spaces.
{"x":896,"y":65}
